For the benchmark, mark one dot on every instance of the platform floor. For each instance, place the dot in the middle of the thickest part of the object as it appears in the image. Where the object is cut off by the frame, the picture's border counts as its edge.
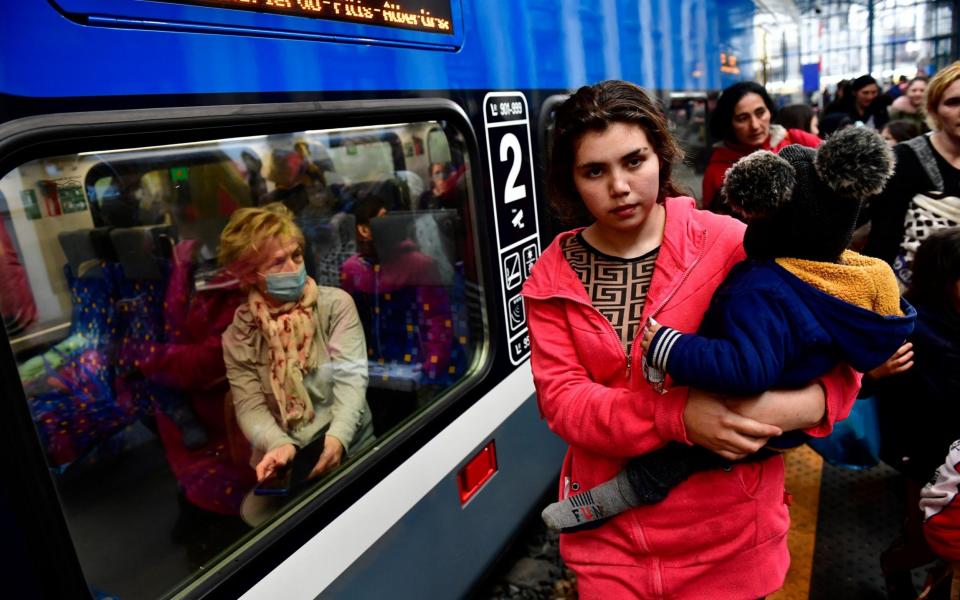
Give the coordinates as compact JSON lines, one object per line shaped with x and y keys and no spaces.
{"x":841,"y":520}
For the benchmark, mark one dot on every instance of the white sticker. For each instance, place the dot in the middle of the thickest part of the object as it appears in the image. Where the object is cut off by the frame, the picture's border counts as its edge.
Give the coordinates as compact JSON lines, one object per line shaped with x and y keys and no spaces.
{"x":510,"y":156}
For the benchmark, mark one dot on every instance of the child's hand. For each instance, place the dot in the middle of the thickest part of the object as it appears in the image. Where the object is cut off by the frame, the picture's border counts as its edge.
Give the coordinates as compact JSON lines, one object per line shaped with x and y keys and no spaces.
{"x":901,"y":361}
{"x":648,"y":332}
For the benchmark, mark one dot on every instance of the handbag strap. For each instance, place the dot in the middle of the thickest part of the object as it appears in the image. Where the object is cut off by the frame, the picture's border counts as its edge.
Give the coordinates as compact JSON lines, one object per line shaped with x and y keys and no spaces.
{"x":921,"y":147}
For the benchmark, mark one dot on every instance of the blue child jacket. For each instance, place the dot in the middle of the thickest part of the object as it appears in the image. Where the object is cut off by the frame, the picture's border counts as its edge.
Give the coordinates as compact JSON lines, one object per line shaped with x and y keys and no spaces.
{"x":768,"y":328}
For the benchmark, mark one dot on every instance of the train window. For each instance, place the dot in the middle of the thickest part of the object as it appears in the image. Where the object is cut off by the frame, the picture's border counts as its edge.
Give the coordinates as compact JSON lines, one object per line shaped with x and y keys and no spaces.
{"x":159,"y":378}
{"x":437,"y":147}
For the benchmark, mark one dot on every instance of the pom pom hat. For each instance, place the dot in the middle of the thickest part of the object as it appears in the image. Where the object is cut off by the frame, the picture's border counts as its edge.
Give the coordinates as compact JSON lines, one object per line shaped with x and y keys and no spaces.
{"x":803,"y":203}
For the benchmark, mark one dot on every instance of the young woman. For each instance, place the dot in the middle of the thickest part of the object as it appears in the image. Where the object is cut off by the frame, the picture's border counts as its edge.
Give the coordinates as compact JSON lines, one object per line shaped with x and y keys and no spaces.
{"x":741,"y":121}
{"x":647,"y":253}
{"x":909,"y":106}
{"x":295,"y":352}
{"x":924,"y":192}
{"x":865,"y":104}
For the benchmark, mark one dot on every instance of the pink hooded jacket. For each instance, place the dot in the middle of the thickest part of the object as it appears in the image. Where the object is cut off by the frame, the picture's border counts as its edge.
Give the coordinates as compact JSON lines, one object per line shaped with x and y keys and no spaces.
{"x":721,"y":534}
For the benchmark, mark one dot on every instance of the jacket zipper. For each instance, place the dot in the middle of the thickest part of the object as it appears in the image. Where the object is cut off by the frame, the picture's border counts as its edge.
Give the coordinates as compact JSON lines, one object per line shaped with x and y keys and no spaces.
{"x":673,"y":292}
{"x":683,"y":278}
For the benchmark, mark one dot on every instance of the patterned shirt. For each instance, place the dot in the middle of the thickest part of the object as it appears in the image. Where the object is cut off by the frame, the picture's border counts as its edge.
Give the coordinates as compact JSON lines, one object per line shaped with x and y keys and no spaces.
{"x":617,"y":287}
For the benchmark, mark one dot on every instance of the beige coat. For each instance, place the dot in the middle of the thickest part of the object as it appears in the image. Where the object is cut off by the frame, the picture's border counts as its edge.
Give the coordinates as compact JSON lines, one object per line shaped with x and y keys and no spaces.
{"x":337,"y":386}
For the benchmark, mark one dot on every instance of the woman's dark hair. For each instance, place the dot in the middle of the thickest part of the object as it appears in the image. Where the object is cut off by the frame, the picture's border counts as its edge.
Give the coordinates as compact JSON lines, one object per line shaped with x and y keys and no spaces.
{"x":863,"y":81}
{"x":796,"y":116}
{"x":902,"y":129}
{"x":844,"y":87}
{"x":594,"y":108}
{"x":834,"y":122}
{"x":368,"y":207}
{"x":721,"y":121}
{"x":936,"y":269}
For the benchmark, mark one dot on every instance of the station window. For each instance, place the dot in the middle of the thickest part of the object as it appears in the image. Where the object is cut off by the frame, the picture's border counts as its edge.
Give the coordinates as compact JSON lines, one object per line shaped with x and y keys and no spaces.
{"x":159,"y":376}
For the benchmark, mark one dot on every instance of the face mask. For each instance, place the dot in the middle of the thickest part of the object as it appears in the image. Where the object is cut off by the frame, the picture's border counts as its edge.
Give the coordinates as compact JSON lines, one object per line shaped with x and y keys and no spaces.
{"x":286,"y":287}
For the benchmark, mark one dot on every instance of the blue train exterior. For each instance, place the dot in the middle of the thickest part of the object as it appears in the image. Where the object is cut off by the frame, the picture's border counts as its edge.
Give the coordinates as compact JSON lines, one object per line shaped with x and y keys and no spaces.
{"x":78,"y":73}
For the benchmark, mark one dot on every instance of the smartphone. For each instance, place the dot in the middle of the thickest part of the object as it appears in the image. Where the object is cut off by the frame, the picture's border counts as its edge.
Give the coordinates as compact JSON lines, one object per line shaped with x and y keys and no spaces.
{"x":297,"y":473}
{"x":277,"y":484}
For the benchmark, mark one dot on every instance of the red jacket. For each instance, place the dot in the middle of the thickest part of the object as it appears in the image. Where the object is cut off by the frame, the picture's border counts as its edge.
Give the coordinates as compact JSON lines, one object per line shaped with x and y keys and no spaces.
{"x":718,"y":535}
{"x":17,"y":306}
{"x":726,"y":153}
{"x":940,"y":503}
{"x":216,"y":476}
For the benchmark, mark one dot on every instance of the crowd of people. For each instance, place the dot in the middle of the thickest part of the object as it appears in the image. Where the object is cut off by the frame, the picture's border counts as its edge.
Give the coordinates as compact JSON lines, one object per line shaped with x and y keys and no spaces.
{"x":743,"y":327}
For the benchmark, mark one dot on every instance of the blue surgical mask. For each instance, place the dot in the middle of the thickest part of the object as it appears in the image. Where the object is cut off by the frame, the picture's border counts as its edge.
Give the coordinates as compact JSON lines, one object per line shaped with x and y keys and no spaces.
{"x":286,"y":287}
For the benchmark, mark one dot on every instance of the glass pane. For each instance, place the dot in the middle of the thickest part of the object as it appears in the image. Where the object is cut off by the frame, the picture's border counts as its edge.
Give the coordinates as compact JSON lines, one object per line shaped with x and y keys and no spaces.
{"x":438,"y":146}
{"x":164,"y":360}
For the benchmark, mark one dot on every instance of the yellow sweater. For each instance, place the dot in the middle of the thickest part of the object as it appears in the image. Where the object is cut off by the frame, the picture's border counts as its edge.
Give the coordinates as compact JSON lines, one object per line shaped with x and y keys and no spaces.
{"x":863,"y":281}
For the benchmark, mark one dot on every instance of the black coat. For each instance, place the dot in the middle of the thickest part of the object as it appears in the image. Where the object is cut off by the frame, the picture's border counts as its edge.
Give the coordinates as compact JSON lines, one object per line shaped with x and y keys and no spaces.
{"x":920,"y":409}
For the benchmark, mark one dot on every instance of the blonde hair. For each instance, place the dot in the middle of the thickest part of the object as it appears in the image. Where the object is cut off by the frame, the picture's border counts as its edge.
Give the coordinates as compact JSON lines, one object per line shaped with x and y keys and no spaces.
{"x":936,"y":88}
{"x":249,"y":231}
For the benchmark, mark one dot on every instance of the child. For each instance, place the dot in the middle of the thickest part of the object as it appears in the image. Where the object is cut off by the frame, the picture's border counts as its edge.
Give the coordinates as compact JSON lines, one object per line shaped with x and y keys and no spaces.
{"x":800,"y":304}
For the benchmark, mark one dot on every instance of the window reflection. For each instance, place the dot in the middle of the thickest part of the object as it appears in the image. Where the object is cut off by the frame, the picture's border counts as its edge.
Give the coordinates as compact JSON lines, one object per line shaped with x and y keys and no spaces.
{"x":113,"y":264}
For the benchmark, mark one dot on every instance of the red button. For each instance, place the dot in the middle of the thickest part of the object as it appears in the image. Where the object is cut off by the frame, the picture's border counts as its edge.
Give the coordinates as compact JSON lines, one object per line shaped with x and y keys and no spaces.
{"x":477,"y":472}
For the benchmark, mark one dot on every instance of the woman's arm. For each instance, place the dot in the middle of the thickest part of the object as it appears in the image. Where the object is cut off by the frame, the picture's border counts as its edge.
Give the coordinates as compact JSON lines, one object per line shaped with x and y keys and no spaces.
{"x":254,"y":417}
{"x":348,"y":357}
{"x":813,"y":408}
{"x":787,"y":409}
{"x":710,"y":423}
{"x":180,"y":366}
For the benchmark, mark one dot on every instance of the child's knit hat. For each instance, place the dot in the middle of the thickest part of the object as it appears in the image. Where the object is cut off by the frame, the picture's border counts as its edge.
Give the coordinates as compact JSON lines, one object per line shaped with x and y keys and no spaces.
{"x":804,"y":203}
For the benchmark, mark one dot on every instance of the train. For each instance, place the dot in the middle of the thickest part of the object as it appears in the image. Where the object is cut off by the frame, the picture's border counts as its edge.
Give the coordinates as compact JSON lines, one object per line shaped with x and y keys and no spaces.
{"x":173,"y":114}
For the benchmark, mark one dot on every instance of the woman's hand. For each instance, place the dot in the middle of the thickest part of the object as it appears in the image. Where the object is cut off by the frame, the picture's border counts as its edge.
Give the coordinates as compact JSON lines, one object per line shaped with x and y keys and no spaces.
{"x":709,"y":423}
{"x":330,"y":458}
{"x":901,"y":361}
{"x":274,"y":460}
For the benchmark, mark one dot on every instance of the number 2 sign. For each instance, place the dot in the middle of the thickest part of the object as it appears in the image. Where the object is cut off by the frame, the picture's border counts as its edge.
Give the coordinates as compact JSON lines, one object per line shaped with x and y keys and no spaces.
{"x":507,"y":124}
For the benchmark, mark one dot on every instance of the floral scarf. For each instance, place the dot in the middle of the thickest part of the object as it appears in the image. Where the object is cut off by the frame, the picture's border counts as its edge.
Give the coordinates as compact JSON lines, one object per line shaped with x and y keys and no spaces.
{"x":289,"y":330}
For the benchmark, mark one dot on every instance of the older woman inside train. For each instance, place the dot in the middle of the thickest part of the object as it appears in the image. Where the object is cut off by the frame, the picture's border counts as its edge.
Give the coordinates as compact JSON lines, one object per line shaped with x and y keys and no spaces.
{"x":295,"y":352}
{"x":741,"y":123}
